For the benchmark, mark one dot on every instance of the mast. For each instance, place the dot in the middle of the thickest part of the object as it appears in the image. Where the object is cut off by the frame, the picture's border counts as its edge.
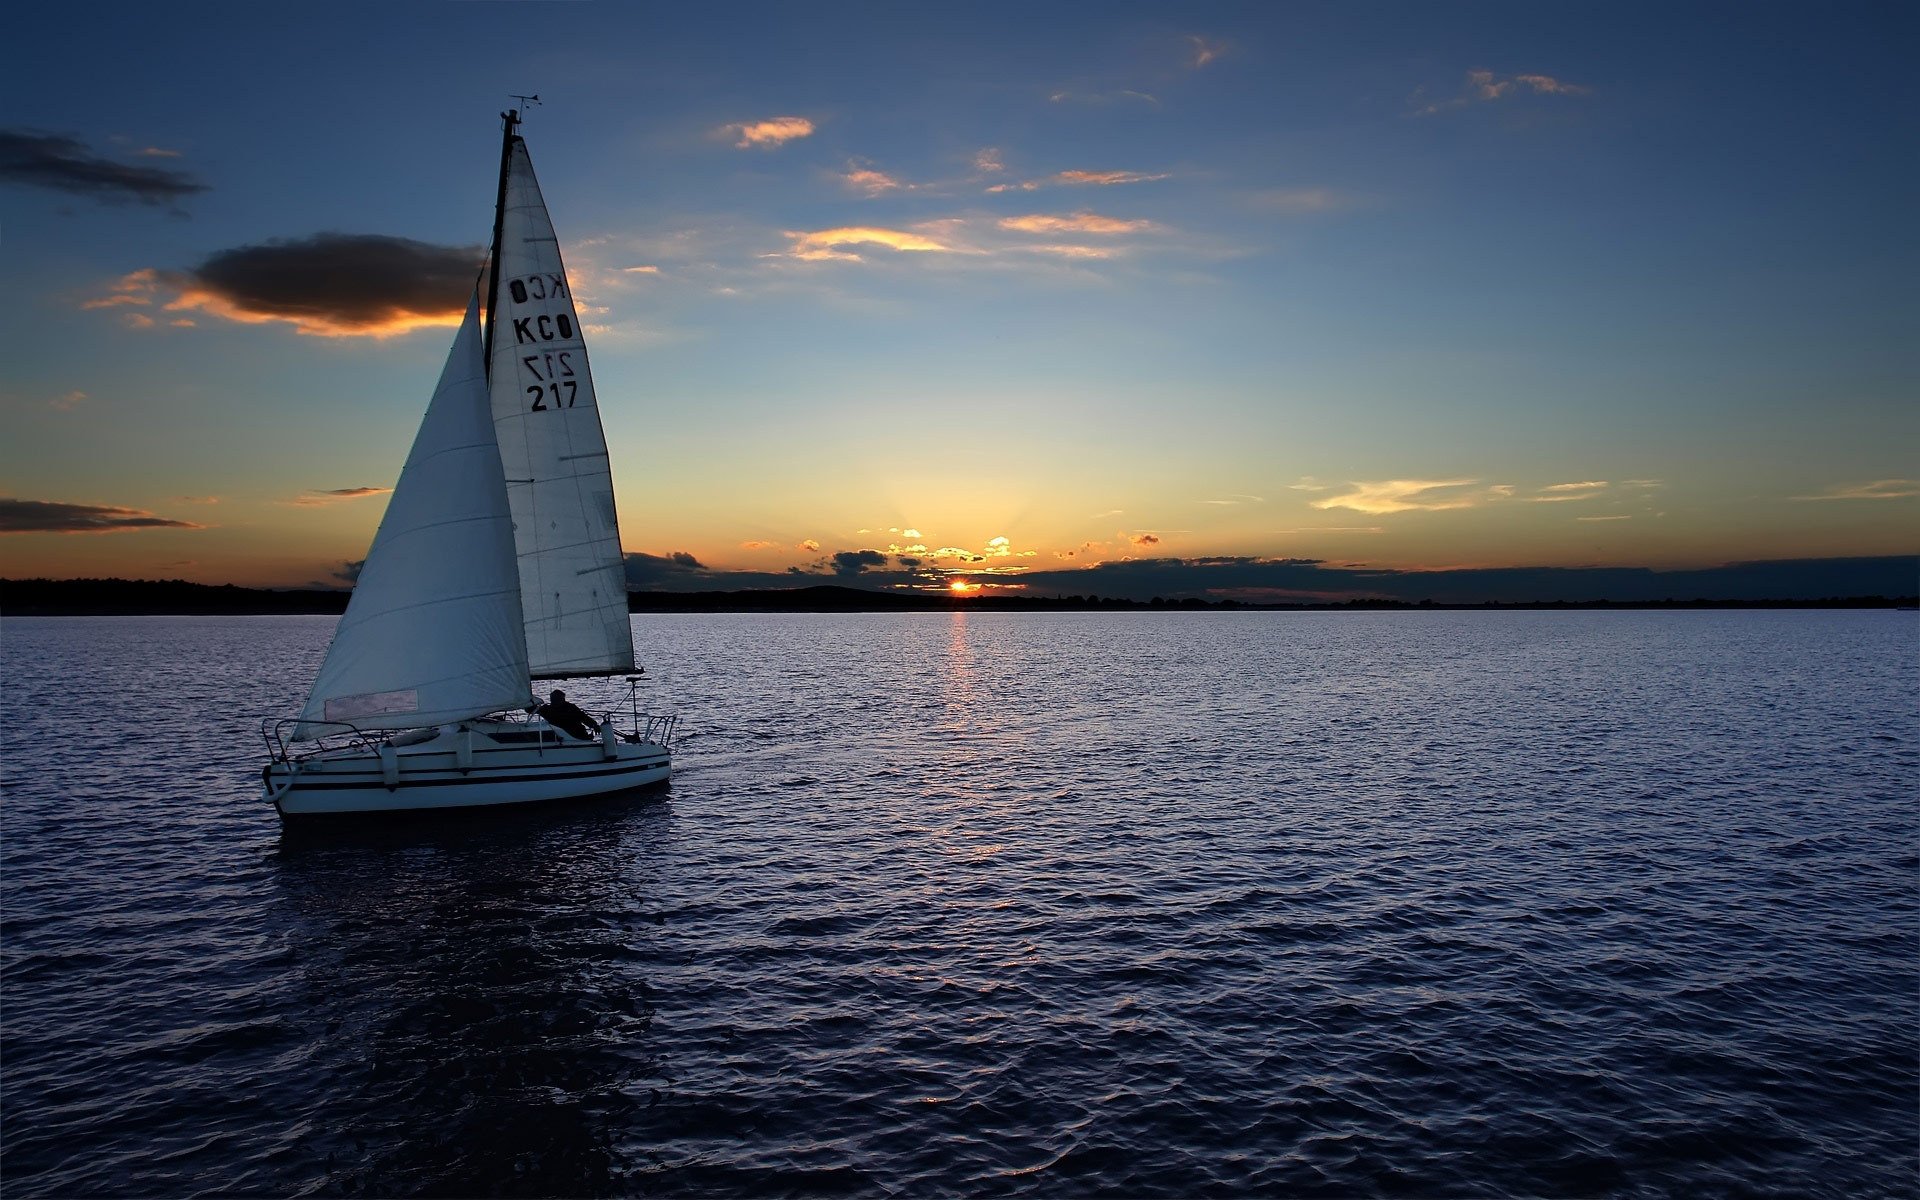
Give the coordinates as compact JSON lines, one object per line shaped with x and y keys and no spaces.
{"x":510,"y":119}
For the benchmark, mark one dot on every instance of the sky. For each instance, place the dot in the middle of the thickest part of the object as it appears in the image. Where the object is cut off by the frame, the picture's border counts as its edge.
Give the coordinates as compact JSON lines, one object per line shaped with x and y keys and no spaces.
{"x":1254,"y":300}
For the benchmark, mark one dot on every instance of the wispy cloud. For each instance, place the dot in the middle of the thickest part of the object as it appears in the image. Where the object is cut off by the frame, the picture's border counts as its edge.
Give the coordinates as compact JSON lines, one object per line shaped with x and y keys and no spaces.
{"x":1236,"y":499}
{"x":1617,"y":517}
{"x":157,"y":152}
{"x":1414,"y":495}
{"x":1483,"y":86}
{"x":987,"y":161}
{"x":318,"y":496}
{"x":50,"y":516}
{"x":1079,"y":178}
{"x":769,"y":133}
{"x":1591,"y":489}
{"x":1080,"y":222}
{"x":825,"y":244}
{"x":65,"y":164}
{"x":68,"y":401}
{"x":1879,"y":489}
{"x":1117,"y":95}
{"x":868,"y":181}
{"x":1204,"y":50}
{"x":1302,"y":200}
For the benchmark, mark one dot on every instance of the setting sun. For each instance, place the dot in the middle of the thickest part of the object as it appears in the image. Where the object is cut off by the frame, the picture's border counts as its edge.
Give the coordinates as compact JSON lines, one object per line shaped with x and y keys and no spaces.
{"x":961,"y":587}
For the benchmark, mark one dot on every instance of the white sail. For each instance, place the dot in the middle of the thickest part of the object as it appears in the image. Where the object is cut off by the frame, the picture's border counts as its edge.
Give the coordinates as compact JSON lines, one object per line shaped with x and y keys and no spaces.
{"x":433,"y":631}
{"x":559,"y":482}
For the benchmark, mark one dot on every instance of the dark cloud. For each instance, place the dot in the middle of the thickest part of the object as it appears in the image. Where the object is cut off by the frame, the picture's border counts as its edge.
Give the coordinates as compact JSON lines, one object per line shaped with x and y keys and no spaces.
{"x":855,"y":562}
{"x":338,"y":283}
{"x":65,"y":164}
{"x":682,"y":558}
{"x":46,"y":516}
{"x":348,"y":572}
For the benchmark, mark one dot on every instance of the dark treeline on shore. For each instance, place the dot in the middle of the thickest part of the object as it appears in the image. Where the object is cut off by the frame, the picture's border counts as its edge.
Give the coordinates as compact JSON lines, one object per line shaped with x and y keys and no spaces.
{"x":174,"y":597}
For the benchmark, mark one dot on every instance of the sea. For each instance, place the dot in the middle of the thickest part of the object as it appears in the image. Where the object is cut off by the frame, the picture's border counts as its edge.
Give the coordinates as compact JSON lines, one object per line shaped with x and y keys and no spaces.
{"x":1449,"y":904}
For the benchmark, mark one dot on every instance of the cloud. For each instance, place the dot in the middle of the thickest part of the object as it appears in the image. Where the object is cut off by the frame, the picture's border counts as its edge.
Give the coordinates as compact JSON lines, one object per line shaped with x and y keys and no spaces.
{"x":1592,"y":489}
{"x":759,"y":545}
{"x":645,"y":270}
{"x":770,"y":133}
{"x":823,"y":244}
{"x":64,"y":164}
{"x":1145,"y":539}
{"x":987,"y":161}
{"x":1080,"y":222}
{"x":47,"y":516}
{"x":318,"y":497}
{"x":809,"y":545}
{"x":1067,"y":96}
{"x":1204,"y":51}
{"x":327,"y":285}
{"x":68,"y":401}
{"x":1300,"y":201}
{"x":1237,"y":499}
{"x":1483,"y":86}
{"x":854,"y":562}
{"x":1620,"y":517}
{"x":870,"y":182}
{"x":1413,"y":495}
{"x":1078,"y":178}
{"x":157,"y":152}
{"x":349,"y":571}
{"x":1879,"y":489}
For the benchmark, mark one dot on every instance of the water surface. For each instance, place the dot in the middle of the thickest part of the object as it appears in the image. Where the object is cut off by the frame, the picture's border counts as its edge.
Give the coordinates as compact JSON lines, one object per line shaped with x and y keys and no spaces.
{"x":1022,"y":904}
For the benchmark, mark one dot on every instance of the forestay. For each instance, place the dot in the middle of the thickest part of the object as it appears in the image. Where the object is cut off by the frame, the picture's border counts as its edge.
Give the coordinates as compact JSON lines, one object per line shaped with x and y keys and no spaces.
{"x":433,"y":631}
{"x":559,"y":482}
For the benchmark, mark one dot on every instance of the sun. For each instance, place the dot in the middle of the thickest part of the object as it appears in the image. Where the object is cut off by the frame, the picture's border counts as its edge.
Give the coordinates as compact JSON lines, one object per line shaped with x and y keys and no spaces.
{"x":961,"y":587}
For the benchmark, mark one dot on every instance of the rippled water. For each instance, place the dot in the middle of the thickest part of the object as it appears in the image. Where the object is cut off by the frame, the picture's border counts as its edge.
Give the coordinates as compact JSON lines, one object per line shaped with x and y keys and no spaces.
{"x":1429,"y":904}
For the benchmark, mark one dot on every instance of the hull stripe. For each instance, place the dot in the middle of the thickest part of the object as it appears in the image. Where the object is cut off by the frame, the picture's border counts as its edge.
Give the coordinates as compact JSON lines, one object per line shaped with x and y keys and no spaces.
{"x":373,"y":780}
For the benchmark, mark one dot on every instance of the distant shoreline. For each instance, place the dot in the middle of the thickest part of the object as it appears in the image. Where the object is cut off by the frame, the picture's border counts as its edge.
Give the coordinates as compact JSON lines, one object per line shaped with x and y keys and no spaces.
{"x":123,"y":597}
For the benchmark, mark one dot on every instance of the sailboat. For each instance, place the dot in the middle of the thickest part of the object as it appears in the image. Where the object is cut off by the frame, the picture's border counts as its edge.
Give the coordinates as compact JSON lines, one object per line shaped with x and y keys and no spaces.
{"x":496,"y":564}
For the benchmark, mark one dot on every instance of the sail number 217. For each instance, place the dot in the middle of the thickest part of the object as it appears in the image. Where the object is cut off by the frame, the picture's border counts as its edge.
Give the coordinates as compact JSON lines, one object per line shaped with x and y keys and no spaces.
{"x":555,"y":373}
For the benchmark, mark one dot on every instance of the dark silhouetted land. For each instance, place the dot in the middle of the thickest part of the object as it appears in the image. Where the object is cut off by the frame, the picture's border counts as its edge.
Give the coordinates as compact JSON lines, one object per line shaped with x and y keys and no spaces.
{"x":146,"y":597}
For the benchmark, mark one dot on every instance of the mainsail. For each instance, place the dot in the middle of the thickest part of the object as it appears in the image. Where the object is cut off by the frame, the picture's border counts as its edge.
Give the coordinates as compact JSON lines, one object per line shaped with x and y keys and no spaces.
{"x":559,"y":483}
{"x":433,"y":631}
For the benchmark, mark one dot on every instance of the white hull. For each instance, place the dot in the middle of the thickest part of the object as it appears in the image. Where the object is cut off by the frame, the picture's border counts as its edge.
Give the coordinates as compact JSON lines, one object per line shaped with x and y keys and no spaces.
{"x":528,"y":764}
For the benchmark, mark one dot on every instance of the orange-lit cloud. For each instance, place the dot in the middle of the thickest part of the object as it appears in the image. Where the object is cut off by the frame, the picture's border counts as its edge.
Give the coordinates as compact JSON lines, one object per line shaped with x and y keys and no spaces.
{"x":1145,"y":539}
{"x":987,"y":161}
{"x":824,"y":244}
{"x":1080,"y":222}
{"x":759,"y":545}
{"x":767,"y":134}
{"x":1879,"y":489}
{"x":809,"y":545}
{"x":136,"y":287}
{"x":68,"y":401}
{"x":319,"y":497}
{"x":870,"y":182}
{"x":1414,"y":495}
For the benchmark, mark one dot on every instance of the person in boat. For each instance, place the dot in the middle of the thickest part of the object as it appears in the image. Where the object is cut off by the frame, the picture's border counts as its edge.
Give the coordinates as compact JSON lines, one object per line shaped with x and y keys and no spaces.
{"x":563,"y":714}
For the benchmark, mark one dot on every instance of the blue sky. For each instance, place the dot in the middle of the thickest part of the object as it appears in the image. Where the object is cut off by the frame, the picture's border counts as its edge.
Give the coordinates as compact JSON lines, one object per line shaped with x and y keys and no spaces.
{"x":1029,"y":287}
